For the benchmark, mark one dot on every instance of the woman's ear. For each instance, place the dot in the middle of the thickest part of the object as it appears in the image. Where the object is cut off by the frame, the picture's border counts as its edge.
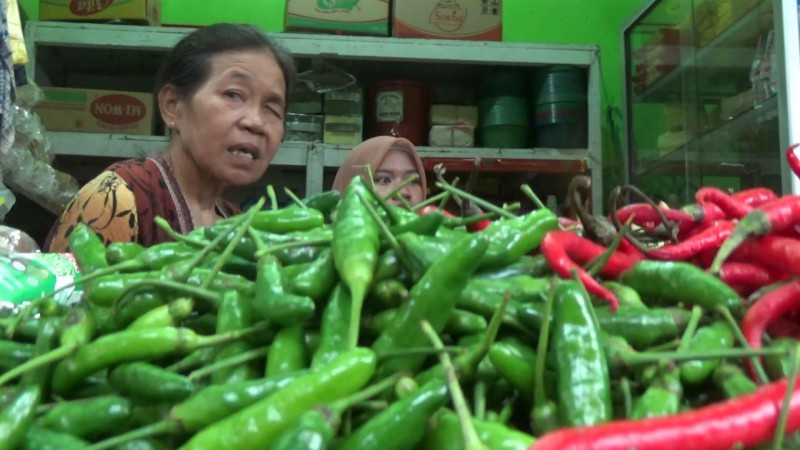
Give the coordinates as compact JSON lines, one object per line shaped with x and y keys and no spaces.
{"x":170,"y":106}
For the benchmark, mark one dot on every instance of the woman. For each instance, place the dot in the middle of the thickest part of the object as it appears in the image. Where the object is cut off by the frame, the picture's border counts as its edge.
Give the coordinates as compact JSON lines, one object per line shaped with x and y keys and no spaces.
{"x":222,"y":93}
{"x":392,"y":160}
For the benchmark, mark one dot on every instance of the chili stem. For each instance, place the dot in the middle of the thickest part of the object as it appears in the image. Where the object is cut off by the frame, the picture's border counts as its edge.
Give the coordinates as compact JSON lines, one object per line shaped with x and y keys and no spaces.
{"x":157,"y":428}
{"x":365,"y":394}
{"x":387,"y":234}
{"x":260,"y":246}
{"x":479,"y":395}
{"x":273,"y":199}
{"x":197,"y":292}
{"x":452,"y":222}
{"x":368,"y":172}
{"x":294,"y":198}
{"x":446,"y":197}
{"x":217,"y":339}
{"x":399,"y":187}
{"x":671,"y":345}
{"x":691,"y":328}
{"x":756,"y":362}
{"x":540,"y":396}
{"x":39,"y":361}
{"x":627,"y":397}
{"x":531,"y":195}
{"x":228,"y":362}
{"x":240,"y":231}
{"x":780,"y":431}
{"x":596,"y":265}
{"x":418,"y":351}
{"x":294,"y":244}
{"x":477,"y":200}
{"x":429,"y":201}
{"x":178,"y":237}
{"x":468,"y":433}
{"x":402,"y":200}
{"x":653,"y":357}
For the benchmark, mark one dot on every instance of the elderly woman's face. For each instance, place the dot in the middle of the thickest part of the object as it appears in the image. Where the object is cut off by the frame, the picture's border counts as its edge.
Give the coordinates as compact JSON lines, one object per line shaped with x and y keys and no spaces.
{"x":234,"y":124}
{"x":395,"y":168}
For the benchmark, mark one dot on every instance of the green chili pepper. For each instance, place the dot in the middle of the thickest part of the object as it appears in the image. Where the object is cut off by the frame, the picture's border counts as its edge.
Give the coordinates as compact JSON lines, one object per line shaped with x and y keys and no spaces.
{"x":168,"y":315}
{"x":88,"y":418}
{"x":511,"y":238}
{"x":618,"y":353}
{"x":324,"y":202}
{"x":355,"y":249}
{"x":317,"y":280}
{"x":40,"y":438}
{"x":143,"y":381}
{"x":25,"y":330}
{"x":680,"y":282}
{"x":627,"y":296}
{"x":641,"y":328}
{"x":287,"y":353}
{"x":464,"y":322}
{"x":388,"y":267}
{"x":733,"y":381}
{"x":716,"y":336}
{"x":534,"y":266}
{"x":401,"y":425}
{"x":579,"y":358}
{"x":426,"y":225}
{"x":13,"y":354}
{"x":259,"y":425}
{"x":135,"y":306}
{"x":520,"y":288}
{"x":117,"y":252}
{"x":17,"y":417}
{"x":433,"y":298}
{"x":197,"y":358}
{"x":282,"y":220}
{"x":780,"y":366}
{"x":271,"y":302}
{"x":312,"y":431}
{"x":662,"y":397}
{"x":444,"y":433}
{"x":88,"y":249}
{"x":335,"y":326}
{"x":516,"y":362}
{"x":45,"y":342}
{"x":247,"y":248}
{"x":143,"y":444}
{"x":125,"y":346}
{"x":234,"y":314}
{"x":390,"y":293}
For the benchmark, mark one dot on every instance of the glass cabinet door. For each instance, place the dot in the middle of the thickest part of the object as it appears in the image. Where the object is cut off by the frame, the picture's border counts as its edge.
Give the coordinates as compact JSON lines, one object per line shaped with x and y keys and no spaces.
{"x":701,"y":105}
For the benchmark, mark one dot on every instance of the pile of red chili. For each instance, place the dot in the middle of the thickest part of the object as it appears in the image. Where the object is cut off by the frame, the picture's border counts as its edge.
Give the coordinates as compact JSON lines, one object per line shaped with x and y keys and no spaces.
{"x":350,"y":323}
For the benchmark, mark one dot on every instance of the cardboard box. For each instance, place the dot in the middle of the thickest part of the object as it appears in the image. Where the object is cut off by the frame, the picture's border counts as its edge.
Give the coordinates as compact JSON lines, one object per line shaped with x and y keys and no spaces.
{"x":146,"y":11}
{"x":477,"y":20}
{"x":94,"y":111}
{"x":454,"y":115}
{"x":451,"y":136}
{"x":370,"y":17}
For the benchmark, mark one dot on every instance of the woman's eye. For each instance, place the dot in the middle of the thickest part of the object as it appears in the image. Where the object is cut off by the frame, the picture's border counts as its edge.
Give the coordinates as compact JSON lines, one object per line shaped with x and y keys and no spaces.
{"x":383,"y":180}
{"x":233,"y":95}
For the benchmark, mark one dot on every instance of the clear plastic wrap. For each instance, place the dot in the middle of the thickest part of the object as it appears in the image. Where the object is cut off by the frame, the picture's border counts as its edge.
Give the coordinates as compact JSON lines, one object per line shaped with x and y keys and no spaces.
{"x":26,"y":167}
{"x":16,"y":241}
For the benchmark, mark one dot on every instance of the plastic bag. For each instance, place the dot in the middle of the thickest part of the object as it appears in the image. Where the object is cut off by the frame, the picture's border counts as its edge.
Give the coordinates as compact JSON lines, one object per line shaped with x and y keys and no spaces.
{"x":16,"y":241}
{"x":25,"y":277}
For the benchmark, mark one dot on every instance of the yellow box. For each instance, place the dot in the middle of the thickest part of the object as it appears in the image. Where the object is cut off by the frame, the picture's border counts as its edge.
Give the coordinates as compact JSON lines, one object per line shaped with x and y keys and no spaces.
{"x":370,"y":17}
{"x":147,"y":11}
{"x":95,"y":111}
{"x":343,"y":130}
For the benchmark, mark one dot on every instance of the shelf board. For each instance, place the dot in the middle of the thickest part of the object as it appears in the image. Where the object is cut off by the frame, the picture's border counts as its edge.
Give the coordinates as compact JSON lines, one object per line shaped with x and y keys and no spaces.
{"x":296,"y":153}
{"x":87,"y":35}
{"x":734,"y":47}
{"x":696,"y":151}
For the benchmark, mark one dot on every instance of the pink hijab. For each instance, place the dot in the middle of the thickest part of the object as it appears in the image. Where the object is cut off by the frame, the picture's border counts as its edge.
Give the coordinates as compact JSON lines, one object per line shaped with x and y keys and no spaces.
{"x":371,"y":153}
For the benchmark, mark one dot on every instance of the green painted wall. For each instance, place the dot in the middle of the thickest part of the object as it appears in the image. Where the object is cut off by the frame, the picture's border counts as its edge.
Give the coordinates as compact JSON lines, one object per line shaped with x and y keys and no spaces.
{"x":584,"y":22}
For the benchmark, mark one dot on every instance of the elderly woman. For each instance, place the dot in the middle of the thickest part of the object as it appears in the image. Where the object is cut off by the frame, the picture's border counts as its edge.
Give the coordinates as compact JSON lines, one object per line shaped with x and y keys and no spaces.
{"x":392,"y":160}
{"x":222,"y":92}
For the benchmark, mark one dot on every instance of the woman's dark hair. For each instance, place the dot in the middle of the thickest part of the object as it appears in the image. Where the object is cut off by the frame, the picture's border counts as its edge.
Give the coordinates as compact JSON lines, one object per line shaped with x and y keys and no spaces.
{"x":188,"y":64}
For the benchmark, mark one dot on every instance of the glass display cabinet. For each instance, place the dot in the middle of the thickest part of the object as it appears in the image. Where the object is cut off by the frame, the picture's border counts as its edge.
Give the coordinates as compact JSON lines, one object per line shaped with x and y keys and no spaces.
{"x":707,"y":95}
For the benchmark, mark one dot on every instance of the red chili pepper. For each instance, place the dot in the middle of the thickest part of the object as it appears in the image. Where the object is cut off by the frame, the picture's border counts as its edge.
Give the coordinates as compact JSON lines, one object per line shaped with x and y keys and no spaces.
{"x":784,"y":327}
{"x":746,"y":275}
{"x":734,"y":209}
{"x":748,"y":421}
{"x":431,"y":208}
{"x":625,"y":247}
{"x":777,"y":217}
{"x":704,"y":215}
{"x":794,"y":161}
{"x":711,"y":238}
{"x":566,"y":222}
{"x":646,"y":217}
{"x":755,"y":197}
{"x":766,"y":310}
{"x":564,"y":250}
{"x":479,"y":225}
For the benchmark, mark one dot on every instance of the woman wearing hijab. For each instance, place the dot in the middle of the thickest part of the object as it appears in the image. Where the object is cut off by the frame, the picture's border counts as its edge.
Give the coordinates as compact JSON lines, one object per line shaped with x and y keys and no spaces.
{"x":392,"y":160}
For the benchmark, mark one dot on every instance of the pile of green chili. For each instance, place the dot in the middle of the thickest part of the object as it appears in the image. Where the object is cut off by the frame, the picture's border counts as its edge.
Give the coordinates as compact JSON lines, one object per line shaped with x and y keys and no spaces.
{"x":348,"y":323}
